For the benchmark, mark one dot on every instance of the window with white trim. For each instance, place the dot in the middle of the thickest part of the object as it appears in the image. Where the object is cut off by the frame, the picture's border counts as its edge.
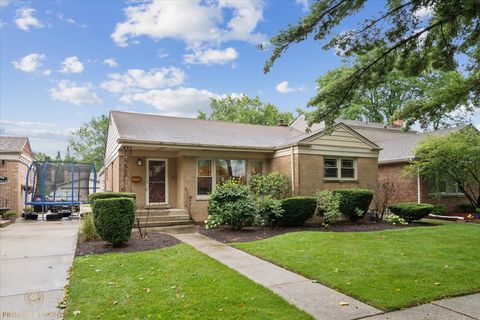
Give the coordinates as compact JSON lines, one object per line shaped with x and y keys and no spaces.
{"x":336,"y":168}
{"x":441,"y":186}
{"x":204,"y":177}
{"x":211,"y":172}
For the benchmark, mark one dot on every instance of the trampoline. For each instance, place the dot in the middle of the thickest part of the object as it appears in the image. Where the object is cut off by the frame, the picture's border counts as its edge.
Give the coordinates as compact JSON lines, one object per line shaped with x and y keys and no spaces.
{"x":59,"y":186}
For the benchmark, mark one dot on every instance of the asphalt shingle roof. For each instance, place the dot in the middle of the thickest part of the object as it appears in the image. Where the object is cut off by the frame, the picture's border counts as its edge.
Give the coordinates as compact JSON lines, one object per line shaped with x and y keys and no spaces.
{"x":175,"y":130}
{"x":12,"y":144}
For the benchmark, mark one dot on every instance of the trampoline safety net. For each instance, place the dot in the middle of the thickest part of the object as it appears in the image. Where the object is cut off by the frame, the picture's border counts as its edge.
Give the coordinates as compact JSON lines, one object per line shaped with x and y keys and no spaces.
{"x":58,"y":183}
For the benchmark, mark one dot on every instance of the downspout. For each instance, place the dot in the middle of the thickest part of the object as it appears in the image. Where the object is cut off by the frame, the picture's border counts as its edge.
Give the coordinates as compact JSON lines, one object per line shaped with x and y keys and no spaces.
{"x":419,"y":189}
{"x":292,"y":169}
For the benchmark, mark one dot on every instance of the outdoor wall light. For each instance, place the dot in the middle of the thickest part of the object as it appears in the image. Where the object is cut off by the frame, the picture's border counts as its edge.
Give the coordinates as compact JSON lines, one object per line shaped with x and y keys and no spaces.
{"x":139,"y":162}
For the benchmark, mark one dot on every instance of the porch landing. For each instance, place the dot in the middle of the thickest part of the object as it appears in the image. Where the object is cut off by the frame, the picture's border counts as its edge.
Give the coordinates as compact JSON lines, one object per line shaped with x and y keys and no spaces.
{"x":164,"y":219}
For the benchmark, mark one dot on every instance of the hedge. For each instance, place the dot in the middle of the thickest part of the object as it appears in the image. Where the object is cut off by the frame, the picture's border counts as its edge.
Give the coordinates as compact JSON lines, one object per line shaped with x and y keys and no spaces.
{"x":108,"y":195}
{"x":113,"y":219}
{"x":354,"y":203}
{"x":296,"y":211}
{"x":411,"y":211}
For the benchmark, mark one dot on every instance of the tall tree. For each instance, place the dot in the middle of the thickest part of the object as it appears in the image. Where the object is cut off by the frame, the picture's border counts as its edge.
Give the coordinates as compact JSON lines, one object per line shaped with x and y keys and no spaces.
{"x":455,"y":157}
{"x":89,"y":141}
{"x":40,"y":156}
{"x":387,"y":101}
{"x":413,"y":37}
{"x":244,"y":109}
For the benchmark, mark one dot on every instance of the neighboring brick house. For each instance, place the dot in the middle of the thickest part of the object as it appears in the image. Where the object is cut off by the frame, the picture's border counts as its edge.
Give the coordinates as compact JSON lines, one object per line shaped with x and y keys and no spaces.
{"x":397,"y":152}
{"x":15,"y":156}
{"x":174,"y":163}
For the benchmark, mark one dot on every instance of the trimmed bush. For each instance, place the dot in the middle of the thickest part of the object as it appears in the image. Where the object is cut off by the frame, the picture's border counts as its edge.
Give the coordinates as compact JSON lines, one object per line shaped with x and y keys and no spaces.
{"x":297,"y":210}
{"x":354,"y":203}
{"x":269,"y":210}
{"x":411,"y":211}
{"x":439,"y":210}
{"x":273,"y":185}
{"x":108,"y":195}
{"x":231,"y":204}
{"x":113,"y":219}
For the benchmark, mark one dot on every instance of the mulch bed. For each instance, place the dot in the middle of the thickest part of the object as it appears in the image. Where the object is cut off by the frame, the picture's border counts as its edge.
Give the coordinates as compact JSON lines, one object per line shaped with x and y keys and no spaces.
{"x":136,"y":243}
{"x":226,"y":235}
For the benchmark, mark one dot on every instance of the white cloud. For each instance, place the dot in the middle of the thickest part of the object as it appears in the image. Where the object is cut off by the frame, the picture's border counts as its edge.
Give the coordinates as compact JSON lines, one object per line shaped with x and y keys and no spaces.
{"x":423,"y":12}
{"x":180,"y":101}
{"x":4,"y":3}
{"x":138,"y":79}
{"x":46,"y":137}
{"x":284,"y":87}
{"x":211,"y":56}
{"x":30,"y":62}
{"x":194,"y":22}
{"x":71,"y":21}
{"x":69,"y":91}
{"x":162,"y":53}
{"x":47,"y":72}
{"x":111,"y":62}
{"x":304,"y":3}
{"x":72,"y":65}
{"x":24,"y":19}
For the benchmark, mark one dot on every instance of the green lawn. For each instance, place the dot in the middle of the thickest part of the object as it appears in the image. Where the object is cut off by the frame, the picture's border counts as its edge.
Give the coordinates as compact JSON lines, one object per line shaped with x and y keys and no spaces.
{"x":172,"y":283}
{"x":388,"y":269}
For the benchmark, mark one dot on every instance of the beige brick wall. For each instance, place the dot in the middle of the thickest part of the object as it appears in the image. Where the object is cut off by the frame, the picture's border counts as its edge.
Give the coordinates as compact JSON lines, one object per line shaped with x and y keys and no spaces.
{"x":311,"y":178}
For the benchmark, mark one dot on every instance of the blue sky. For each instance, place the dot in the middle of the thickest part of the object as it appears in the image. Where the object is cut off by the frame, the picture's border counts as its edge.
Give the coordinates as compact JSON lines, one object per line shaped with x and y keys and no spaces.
{"x":63,"y":62}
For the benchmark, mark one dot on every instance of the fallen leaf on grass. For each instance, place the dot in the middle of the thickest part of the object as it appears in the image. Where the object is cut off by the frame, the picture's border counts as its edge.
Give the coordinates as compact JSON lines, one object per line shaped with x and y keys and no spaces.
{"x":147,"y":290}
{"x":76,"y":312}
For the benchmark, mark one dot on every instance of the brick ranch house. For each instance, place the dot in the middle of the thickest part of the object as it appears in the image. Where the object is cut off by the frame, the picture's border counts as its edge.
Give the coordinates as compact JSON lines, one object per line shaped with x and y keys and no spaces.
{"x":15,"y":156}
{"x":397,"y":152}
{"x":173,"y":163}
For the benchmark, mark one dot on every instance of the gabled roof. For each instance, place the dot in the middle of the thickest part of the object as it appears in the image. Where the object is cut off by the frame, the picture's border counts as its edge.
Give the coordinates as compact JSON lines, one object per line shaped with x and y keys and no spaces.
{"x":397,"y":145}
{"x":13,"y":144}
{"x":139,"y":127}
{"x":402,"y":148}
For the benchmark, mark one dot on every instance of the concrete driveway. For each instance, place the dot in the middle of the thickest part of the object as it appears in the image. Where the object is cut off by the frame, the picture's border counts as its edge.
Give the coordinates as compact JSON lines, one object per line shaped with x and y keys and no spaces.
{"x":34,"y":261}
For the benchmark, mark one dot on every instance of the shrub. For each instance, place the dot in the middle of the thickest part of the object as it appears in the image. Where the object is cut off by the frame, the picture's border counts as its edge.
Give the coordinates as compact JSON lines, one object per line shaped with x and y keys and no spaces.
{"x":297,"y":211}
{"x":411,"y":211}
{"x":87,"y":230}
{"x":273,"y":185}
{"x":466,"y":207}
{"x":269,"y":211}
{"x":10,"y":214}
{"x":113,"y":219}
{"x":394,"y":219}
{"x":439,"y":210}
{"x":328,"y":205}
{"x":108,"y":195}
{"x":28,"y":209}
{"x":231,"y":204}
{"x":354,"y":203}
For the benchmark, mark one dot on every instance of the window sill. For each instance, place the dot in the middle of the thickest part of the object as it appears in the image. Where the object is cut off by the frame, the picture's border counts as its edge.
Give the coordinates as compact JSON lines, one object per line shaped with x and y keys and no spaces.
{"x":202,"y":198}
{"x":340,"y":180}
{"x":446,"y":195}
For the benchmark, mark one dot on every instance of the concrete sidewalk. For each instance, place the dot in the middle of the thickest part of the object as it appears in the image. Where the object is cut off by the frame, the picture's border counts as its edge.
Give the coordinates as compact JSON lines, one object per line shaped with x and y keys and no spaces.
{"x":460,"y":308}
{"x":34,"y":261}
{"x":319,"y":301}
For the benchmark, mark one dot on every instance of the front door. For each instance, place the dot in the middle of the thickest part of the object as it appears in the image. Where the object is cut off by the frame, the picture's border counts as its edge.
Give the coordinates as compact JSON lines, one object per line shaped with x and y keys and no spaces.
{"x":157,"y":183}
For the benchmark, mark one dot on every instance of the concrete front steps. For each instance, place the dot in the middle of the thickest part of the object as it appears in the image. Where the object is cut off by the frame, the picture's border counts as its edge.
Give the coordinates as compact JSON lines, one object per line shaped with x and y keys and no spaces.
{"x":164,"y":219}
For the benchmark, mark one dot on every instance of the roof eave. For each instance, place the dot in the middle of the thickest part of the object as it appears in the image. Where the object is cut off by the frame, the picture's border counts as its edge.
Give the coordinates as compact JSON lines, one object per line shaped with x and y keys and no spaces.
{"x":124,"y":141}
